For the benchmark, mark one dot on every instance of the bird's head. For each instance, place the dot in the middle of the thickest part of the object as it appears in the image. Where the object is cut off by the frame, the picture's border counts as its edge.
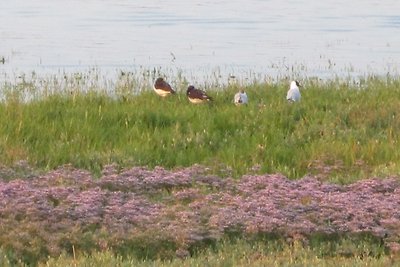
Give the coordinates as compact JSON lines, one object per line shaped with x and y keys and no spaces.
{"x":190,"y":88}
{"x":295,"y":84}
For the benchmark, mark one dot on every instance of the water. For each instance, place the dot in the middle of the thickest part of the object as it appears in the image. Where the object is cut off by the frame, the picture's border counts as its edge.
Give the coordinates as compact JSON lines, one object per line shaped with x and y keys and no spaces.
{"x":267,"y":37}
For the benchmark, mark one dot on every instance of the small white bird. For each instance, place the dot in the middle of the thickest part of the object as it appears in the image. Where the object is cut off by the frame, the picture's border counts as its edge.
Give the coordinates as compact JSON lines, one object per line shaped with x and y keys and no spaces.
{"x":240,"y":98}
{"x":293,"y":94}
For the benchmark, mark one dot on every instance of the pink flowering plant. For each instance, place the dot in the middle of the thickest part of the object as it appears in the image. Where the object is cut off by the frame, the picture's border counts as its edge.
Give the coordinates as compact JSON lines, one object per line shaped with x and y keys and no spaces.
{"x":161,"y":213}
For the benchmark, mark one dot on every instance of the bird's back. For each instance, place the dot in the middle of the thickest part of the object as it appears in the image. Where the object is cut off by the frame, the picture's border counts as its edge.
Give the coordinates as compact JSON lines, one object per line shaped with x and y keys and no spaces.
{"x":163,"y":88}
{"x":293,"y":94}
{"x":196,"y":95}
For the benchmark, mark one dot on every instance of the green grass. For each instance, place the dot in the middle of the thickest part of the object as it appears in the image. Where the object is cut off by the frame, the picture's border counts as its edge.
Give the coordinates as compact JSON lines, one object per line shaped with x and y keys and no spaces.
{"x":243,"y":253}
{"x":340,"y":132}
{"x":348,"y":130}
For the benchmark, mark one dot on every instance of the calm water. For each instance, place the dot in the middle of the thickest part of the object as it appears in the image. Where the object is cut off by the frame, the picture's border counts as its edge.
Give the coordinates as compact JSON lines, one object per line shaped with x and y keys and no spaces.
{"x":271,"y":37}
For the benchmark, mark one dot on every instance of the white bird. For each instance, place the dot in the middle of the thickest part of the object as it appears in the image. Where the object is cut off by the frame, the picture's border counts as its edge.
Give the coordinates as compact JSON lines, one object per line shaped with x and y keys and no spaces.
{"x":293,"y":94}
{"x":240,"y":98}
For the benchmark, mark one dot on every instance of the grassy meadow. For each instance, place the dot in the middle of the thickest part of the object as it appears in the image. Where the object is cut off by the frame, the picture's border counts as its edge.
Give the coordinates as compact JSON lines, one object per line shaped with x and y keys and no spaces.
{"x":341,"y":131}
{"x":239,"y":253}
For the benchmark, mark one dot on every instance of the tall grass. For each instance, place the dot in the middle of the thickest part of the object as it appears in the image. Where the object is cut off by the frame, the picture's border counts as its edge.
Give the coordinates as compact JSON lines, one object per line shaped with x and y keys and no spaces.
{"x":243,"y":253}
{"x":349,"y":130}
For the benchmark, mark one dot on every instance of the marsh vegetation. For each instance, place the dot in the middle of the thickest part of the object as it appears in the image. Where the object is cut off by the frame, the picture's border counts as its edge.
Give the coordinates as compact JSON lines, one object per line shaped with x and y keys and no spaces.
{"x":341,"y":130}
{"x":93,"y":173}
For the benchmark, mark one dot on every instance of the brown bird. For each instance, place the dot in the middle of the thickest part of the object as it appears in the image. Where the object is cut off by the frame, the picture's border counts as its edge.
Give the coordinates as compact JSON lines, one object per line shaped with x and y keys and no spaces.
{"x":197,"y":96}
{"x":162,"y":88}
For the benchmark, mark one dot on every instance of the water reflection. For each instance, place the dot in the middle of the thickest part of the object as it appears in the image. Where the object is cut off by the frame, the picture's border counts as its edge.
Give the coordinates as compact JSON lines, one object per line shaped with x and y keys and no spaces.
{"x":273,"y":37}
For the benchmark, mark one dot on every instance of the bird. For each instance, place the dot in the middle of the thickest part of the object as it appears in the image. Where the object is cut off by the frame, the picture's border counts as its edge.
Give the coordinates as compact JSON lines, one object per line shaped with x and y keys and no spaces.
{"x":197,"y":96}
{"x":240,"y":98}
{"x":293,"y":94}
{"x":162,"y":88}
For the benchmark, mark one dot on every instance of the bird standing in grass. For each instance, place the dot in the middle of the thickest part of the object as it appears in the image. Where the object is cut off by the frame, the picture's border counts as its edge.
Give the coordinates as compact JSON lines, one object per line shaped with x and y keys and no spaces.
{"x":197,"y":96}
{"x":293,"y":95}
{"x":162,"y":88}
{"x":240,"y":98}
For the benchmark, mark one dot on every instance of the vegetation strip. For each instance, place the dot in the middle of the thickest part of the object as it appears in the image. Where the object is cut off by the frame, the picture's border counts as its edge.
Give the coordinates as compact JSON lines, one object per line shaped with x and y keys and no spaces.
{"x":158,"y":213}
{"x":339,"y":130}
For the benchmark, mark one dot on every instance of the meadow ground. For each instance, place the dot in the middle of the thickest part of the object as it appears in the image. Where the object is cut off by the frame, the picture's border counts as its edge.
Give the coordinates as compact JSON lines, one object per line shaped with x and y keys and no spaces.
{"x":341,"y":132}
